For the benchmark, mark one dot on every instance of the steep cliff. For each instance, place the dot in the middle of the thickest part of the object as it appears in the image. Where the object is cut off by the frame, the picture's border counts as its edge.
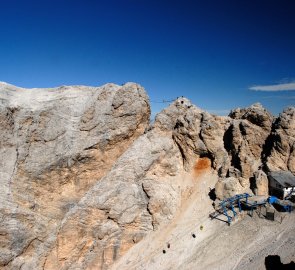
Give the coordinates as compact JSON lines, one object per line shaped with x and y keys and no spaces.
{"x":55,"y":145}
{"x":85,"y":176}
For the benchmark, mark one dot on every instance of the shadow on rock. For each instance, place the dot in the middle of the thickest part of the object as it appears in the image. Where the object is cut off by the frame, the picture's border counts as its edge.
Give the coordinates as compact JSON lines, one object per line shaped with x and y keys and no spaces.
{"x":273,"y":262}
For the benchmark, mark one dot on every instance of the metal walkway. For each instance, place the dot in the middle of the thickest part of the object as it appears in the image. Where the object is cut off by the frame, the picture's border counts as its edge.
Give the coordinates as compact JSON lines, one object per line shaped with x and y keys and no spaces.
{"x":249,"y":202}
{"x":229,"y":205}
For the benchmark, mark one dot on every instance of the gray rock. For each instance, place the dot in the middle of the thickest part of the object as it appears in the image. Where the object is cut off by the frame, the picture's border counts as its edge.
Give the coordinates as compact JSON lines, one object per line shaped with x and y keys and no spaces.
{"x":84,"y":176}
{"x":280,"y":154}
{"x":261,"y":183}
{"x":55,"y":145}
{"x":245,"y":138}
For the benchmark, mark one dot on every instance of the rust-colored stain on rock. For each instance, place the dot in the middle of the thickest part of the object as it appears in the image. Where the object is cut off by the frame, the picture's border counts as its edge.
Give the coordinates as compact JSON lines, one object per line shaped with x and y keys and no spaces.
{"x":202,"y":164}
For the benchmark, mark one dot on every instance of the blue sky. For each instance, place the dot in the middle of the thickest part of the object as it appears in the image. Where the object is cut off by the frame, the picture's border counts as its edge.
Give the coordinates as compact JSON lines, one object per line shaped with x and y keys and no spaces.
{"x":212,"y":52}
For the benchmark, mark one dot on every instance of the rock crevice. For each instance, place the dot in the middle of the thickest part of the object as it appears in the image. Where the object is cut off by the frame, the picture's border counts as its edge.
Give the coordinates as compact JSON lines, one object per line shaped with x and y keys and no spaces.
{"x":85,"y":176}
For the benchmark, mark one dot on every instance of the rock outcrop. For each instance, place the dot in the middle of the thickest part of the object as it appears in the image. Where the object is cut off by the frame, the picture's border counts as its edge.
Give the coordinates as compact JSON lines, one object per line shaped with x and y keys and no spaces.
{"x":85,"y":176}
{"x":260,"y":187}
{"x":55,"y":145}
{"x":245,"y":138}
{"x":281,"y":143}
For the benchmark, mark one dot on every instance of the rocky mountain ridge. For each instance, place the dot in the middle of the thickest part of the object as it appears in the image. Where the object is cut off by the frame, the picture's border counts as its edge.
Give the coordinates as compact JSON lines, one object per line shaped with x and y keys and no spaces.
{"x":84,"y":176}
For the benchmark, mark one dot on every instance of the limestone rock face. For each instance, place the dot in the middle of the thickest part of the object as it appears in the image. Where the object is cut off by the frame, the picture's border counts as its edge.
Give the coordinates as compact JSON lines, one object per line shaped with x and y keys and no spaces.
{"x":55,"y":145}
{"x":196,"y":133}
{"x":212,"y":134}
{"x":246,"y":137}
{"x":281,"y":143}
{"x":255,"y":114}
{"x":124,"y":212}
{"x":85,"y":176}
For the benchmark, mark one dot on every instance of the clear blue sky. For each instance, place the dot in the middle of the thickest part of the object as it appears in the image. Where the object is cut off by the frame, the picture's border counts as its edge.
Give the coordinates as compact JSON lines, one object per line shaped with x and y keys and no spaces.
{"x":209,"y":51}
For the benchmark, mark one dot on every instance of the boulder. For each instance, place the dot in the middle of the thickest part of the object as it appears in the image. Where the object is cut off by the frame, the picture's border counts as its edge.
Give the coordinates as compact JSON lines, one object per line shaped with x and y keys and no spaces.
{"x":230,"y":186}
{"x":260,"y":183}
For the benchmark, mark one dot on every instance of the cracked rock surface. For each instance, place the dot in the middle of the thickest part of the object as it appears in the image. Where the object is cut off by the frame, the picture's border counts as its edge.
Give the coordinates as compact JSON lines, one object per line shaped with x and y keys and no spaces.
{"x":55,"y":144}
{"x":85,"y":176}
